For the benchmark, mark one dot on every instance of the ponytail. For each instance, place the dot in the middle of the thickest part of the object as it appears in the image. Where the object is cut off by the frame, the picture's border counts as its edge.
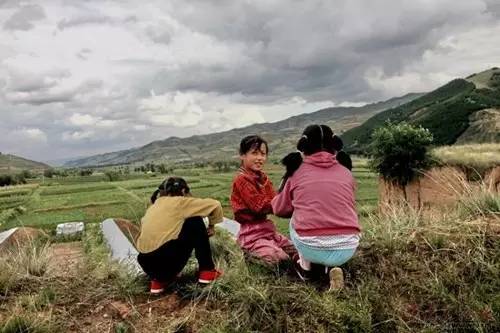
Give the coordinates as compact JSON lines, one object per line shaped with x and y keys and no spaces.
{"x":344,"y":159}
{"x":154,"y":196}
{"x":291,"y":162}
{"x":173,"y":186}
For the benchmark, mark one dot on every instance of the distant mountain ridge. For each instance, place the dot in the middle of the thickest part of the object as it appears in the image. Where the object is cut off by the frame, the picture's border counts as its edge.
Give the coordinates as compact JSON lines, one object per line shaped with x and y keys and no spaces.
{"x":282,"y":136}
{"x":463,"y":110}
{"x":13,"y":164}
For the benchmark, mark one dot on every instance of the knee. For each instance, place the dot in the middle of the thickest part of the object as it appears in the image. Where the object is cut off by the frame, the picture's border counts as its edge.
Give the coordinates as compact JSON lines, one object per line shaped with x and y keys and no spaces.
{"x":195,"y":224}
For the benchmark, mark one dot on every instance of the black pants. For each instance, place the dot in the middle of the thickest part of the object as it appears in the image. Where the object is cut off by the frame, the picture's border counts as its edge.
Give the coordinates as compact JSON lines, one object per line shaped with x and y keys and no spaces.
{"x":167,"y":261}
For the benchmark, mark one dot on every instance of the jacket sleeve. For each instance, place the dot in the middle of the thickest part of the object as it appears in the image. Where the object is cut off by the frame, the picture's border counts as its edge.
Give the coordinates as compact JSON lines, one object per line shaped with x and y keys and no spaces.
{"x":282,"y":203}
{"x":256,"y":201}
{"x":203,"y":207}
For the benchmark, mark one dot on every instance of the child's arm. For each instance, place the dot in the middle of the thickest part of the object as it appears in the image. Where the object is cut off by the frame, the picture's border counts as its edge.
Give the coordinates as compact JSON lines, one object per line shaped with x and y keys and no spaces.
{"x":282,"y":203}
{"x":255,"y":201}
{"x":203,"y":207}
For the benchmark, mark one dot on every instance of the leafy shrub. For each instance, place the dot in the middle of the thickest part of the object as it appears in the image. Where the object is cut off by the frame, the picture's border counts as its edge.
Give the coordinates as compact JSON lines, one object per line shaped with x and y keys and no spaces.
{"x":399,"y":151}
{"x":6,"y":180}
{"x":112,"y":176}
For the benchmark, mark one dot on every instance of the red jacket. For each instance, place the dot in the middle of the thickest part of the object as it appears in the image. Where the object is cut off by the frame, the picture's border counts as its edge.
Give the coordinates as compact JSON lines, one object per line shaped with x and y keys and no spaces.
{"x":251,"y":196}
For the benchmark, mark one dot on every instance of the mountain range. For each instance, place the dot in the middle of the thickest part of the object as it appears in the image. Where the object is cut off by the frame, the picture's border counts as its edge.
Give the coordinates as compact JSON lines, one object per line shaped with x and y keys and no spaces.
{"x":281,"y":135}
{"x":462,"y":111}
{"x":11,"y":164}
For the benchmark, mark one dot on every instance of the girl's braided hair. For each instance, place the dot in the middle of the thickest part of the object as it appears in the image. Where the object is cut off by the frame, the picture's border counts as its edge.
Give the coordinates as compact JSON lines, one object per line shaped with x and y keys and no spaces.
{"x":173,"y":186}
{"x":315,"y":138}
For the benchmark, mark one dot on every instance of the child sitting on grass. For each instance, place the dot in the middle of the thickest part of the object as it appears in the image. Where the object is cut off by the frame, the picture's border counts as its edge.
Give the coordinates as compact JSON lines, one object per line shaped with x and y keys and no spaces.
{"x":251,"y":196}
{"x":171,"y":228}
{"x":318,"y":194}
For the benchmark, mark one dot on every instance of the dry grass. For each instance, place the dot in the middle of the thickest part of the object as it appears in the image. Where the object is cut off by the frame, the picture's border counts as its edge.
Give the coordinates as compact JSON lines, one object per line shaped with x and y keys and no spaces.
{"x":479,"y":156}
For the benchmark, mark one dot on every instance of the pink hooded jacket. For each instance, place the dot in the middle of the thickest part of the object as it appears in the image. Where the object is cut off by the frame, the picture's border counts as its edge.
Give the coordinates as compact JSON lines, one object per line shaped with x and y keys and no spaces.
{"x":320,"y":196}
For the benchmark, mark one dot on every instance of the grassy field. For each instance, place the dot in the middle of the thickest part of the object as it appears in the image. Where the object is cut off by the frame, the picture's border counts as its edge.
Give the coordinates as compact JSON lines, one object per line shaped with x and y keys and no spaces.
{"x":45,"y":203}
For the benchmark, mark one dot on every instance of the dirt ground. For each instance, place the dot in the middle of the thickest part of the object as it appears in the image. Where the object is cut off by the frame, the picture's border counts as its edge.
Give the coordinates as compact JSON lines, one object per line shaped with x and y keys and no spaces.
{"x":438,"y":187}
{"x":65,"y":259}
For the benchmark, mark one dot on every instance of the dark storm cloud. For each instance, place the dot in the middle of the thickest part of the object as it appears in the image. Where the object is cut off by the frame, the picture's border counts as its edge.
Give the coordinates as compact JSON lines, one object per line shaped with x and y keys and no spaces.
{"x":23,"y":18}
{"x":315,"y":48}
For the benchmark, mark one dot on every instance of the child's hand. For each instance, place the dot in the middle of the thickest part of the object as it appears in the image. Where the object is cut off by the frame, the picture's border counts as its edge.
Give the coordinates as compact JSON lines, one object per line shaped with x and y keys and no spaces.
{"x":211,"y":230}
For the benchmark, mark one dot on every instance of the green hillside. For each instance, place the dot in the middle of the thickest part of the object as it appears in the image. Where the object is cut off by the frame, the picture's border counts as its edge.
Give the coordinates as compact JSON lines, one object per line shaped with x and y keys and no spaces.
{"x":282,"y":136}
{"x":11,"y":164}
{"x":448,"y":112}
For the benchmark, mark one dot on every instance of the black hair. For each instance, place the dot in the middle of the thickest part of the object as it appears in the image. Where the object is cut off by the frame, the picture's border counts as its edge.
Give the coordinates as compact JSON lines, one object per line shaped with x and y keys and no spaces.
{"x":252,"y":142}
{"x":316,"y":138}
{"x":291,"y":162}
{"x":342,"y":157}
{"x":173,"y":186}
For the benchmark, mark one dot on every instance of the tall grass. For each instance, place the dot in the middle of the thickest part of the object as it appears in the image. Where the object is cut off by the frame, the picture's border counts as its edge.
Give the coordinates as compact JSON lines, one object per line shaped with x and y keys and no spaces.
{"x":477,"y":157}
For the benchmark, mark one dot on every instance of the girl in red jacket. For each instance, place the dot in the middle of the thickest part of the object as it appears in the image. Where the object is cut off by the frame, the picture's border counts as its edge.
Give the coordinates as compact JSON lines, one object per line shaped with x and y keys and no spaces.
{"x":251,"y":196}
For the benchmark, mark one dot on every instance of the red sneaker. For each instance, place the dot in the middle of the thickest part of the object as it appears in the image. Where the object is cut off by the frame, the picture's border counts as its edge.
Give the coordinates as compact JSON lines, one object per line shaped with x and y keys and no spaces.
{"x":206,"y":277}
{"x":157,"y":287}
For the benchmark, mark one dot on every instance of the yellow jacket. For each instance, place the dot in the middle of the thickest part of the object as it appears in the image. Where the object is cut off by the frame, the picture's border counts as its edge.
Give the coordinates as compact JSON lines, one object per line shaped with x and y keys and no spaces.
{"x":163,"y":220}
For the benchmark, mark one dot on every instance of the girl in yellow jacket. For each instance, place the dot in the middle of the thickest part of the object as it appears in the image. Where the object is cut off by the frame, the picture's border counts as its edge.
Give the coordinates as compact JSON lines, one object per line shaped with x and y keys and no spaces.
{"x":171,"y":228}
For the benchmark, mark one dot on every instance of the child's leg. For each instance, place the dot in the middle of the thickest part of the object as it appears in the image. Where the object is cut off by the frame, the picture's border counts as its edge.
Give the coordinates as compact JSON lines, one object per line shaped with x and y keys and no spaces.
{"x":153,"y":263}
{"x":194,"y":236}
{"x":267,"y":250}
{"x":286,"y":245}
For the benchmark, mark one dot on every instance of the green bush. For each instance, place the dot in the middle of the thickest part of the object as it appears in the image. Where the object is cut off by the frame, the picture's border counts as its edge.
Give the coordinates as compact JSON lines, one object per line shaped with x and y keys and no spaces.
{"x":399,"y":151}
{"x":112,"y":176}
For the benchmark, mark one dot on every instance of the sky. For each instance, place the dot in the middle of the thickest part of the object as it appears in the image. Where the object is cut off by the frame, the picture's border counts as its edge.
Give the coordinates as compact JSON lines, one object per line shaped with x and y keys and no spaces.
{"x":85,"y":77}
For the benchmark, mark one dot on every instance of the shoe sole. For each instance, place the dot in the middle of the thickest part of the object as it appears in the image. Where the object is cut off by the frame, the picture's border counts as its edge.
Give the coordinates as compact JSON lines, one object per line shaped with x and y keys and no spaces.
{"x":336,"y":278}
{"x":156,"y":291}
{"x":205,"y":281}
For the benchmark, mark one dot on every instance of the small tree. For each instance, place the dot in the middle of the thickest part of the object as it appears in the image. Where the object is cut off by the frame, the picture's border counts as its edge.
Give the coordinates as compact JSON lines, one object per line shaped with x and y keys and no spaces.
{"x":49,"y":173}
{"x":399,"y":152}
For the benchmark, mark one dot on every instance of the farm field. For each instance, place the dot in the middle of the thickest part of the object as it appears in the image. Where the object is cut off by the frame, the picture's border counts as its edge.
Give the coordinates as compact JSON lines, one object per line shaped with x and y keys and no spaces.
{"x":92,"y":199}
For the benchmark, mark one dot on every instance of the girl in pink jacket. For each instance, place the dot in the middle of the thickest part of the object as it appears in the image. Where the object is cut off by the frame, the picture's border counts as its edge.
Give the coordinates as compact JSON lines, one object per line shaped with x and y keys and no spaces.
{"x":319,"y":198}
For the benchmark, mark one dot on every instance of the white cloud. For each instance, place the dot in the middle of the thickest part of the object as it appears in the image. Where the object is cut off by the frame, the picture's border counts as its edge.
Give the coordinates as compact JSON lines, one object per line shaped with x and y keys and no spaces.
{"x":177,"y":109}
{"x":78,"y":135}
{"x":34,"y":134}
{"x":78,"y":119}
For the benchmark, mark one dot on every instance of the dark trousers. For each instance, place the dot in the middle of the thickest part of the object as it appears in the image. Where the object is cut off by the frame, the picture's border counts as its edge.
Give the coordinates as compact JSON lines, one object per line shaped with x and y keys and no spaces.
{"x":167,"y":261}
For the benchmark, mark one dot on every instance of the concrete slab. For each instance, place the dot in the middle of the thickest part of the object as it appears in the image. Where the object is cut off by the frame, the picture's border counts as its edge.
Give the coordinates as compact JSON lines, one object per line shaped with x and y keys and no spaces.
{"x":5,"y":235}
{"x":121,"y":248}
{"x":69,"y":228}
{"x":229,"y":225}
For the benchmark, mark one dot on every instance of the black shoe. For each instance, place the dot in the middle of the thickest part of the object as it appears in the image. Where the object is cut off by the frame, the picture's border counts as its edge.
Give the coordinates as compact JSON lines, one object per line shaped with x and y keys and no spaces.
{"x":303,"y":274}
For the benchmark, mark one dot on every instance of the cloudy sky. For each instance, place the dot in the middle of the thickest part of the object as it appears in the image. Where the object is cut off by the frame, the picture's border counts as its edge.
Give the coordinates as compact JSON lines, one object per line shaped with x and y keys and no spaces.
{"x":84,"y":77}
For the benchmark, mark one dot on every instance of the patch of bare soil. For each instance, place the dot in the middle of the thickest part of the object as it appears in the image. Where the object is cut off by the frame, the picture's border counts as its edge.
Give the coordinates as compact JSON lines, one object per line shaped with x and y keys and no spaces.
{"x":139,"y":314}
{"x":65,"y":259}
{"x":436,"y":188}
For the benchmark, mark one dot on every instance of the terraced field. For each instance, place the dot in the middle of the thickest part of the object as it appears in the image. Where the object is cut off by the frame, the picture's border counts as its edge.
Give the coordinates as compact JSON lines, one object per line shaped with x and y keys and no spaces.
{"x":93,"y":199}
